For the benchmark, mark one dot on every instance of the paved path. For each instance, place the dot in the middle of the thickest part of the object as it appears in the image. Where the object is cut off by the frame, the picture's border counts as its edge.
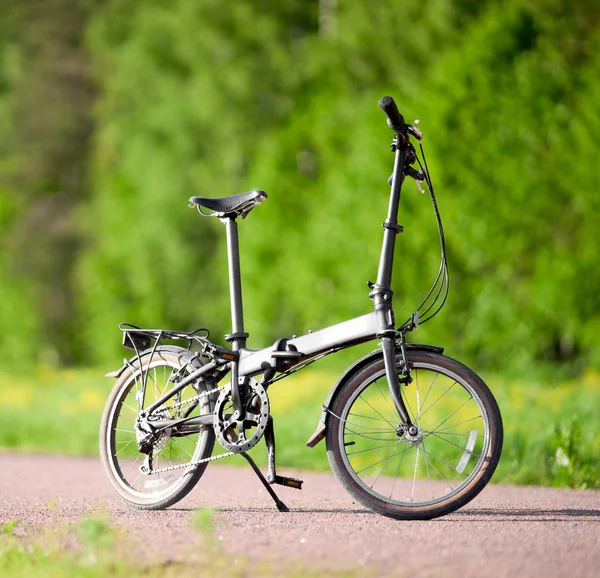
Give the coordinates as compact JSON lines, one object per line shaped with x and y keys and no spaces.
{"x":506,"y":531}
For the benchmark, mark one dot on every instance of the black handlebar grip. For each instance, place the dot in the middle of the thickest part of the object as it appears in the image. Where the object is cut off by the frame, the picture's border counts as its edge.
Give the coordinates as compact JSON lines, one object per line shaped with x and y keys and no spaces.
{"x":395,"y":119}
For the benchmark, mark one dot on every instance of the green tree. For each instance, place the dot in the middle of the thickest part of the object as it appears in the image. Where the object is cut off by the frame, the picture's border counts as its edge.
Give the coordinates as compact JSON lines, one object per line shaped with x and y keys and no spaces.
{"x":46,"y":126}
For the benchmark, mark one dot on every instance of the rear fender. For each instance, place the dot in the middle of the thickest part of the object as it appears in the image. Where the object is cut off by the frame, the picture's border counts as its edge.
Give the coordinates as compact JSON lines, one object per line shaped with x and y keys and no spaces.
{"x":353,"y":370}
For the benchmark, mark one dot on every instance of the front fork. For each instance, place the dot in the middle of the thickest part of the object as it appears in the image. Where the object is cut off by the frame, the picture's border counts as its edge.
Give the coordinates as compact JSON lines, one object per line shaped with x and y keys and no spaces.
{"x":388,"y":346}
{"x":381,"y":295}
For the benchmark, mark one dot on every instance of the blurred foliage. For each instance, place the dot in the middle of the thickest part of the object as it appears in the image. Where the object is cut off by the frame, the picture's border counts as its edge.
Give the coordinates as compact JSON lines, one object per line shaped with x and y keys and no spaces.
{"x":112,"y":114}
{"x":45,"y":124}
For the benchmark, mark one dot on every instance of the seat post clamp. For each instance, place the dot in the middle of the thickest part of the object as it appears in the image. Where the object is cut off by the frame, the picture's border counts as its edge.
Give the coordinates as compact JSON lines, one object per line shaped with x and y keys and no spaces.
{"x":230,"y":337}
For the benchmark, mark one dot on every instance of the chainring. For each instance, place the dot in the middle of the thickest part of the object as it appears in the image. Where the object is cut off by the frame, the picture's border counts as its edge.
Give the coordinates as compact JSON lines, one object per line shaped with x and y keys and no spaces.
{"x":241,"y":435}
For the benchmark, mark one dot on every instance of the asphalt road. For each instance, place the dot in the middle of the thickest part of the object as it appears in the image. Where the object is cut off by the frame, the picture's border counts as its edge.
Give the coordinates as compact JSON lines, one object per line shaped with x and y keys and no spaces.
{"x":506,"y":531}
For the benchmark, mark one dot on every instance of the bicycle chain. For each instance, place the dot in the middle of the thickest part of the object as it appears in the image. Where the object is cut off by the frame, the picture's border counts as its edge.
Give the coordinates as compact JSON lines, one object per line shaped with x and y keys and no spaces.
{"x":190,"y":465}
{"x":178,"y":404}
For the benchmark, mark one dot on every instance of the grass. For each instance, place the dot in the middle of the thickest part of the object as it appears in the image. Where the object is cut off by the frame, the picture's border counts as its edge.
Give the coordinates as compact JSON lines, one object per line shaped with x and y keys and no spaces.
{"x":552,"y":436}
{"x":95,"y":549}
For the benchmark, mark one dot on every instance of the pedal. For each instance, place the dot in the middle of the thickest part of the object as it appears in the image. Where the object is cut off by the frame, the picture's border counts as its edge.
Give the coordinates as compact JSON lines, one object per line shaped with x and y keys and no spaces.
{"x":289,"y":482}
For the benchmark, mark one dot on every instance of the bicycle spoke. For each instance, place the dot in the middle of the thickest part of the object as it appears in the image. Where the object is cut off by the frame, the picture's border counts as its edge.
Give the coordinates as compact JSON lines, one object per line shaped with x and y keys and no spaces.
{"x":444,"y":462}
{"x":398,"y":470}
{"x":452,"y":443}
{"x":454,"y":425}
{"x":440,"y":475}
{"x":418,"y":401}
{"x":367,"y":437}
{"x":391,"y":443}
{"x":372,"y":465}
{"x":430,"y":385}
{"x":180,"y":446}
{"x":457,"y":409}
{"x":438,"y":399}
{"x":129,"y":442}
{"x":167,"y":381}
{"x":427,"y":467}
{"x":176,"y":451}
{"x":384,"y":466}
{"x":368,"y":417}
{"x":411,"y":413}
{"x":136,"y":479}
{"x":465,"y":435}
{"x":376,"y":411}
{"x":412,"y":495}
{"x":394,"y":412}
{"x":129,"y":407}
{"x":133,"y":464}
{"x":373,"y":429}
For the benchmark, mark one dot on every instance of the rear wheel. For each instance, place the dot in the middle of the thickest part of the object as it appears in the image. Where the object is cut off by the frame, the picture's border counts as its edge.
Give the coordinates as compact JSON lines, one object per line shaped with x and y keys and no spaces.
{"x":177,"y":448}
{"x":431,"y":472}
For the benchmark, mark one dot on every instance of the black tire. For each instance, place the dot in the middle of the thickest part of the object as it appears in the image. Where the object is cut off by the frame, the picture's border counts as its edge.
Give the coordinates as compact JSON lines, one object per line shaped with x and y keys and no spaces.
{"x":460,"y":438}
{"x":118,"y":447}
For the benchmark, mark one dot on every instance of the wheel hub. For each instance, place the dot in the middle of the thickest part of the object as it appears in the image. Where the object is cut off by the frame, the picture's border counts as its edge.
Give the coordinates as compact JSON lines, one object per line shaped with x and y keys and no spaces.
{"x":413,"y":435}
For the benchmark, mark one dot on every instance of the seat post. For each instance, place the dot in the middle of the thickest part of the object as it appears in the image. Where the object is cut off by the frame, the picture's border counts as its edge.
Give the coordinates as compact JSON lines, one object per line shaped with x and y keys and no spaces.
{"x":238,"y":336}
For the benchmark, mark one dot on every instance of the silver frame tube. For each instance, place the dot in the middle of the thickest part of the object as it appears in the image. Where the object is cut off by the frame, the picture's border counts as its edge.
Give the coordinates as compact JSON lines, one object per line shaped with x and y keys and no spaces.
{"x":350,"y":332}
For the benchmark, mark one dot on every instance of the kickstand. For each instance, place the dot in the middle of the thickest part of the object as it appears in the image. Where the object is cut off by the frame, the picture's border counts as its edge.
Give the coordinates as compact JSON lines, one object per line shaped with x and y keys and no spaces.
{"x":280,"y":505}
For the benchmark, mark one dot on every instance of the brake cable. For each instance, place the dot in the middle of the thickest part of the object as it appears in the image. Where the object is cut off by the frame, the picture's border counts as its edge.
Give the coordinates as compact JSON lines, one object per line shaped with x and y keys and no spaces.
{"x":441,"y":282}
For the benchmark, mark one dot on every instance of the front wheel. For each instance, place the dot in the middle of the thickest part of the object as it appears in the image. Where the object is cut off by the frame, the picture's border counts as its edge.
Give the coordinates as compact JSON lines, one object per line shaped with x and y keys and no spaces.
{"x":426,"y":474}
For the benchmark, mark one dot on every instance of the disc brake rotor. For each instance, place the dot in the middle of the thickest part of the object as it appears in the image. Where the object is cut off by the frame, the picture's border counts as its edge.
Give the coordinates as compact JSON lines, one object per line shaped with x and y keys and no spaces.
{"x":240,"y":435}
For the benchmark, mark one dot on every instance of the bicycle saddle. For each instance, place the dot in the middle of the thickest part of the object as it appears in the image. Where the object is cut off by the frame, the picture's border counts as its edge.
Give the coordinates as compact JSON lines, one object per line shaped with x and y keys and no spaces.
{"x":233,"y":205}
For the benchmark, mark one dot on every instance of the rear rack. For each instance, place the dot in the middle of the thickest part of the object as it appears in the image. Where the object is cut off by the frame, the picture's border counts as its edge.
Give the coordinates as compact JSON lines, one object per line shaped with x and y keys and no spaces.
{"x":140,"y":340}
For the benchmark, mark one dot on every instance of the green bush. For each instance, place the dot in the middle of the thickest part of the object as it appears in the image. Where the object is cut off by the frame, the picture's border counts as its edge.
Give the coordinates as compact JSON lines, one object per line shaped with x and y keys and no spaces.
{"x":190,"y":98}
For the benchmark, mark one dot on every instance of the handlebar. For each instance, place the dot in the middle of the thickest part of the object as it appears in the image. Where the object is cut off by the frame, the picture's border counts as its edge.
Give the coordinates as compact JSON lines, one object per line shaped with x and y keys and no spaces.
{"x":394,"y":119}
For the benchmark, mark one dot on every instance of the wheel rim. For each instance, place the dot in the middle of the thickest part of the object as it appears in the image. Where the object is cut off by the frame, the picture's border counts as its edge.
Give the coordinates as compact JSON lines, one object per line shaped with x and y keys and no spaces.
{"x":173,"y":449}
{"x":426,"y":469}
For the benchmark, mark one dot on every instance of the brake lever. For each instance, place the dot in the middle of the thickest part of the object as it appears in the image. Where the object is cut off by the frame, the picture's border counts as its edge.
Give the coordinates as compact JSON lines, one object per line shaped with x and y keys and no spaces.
{"x":409,"y":171}
{"x":419,"y":177}
{"x":415,"y":131}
